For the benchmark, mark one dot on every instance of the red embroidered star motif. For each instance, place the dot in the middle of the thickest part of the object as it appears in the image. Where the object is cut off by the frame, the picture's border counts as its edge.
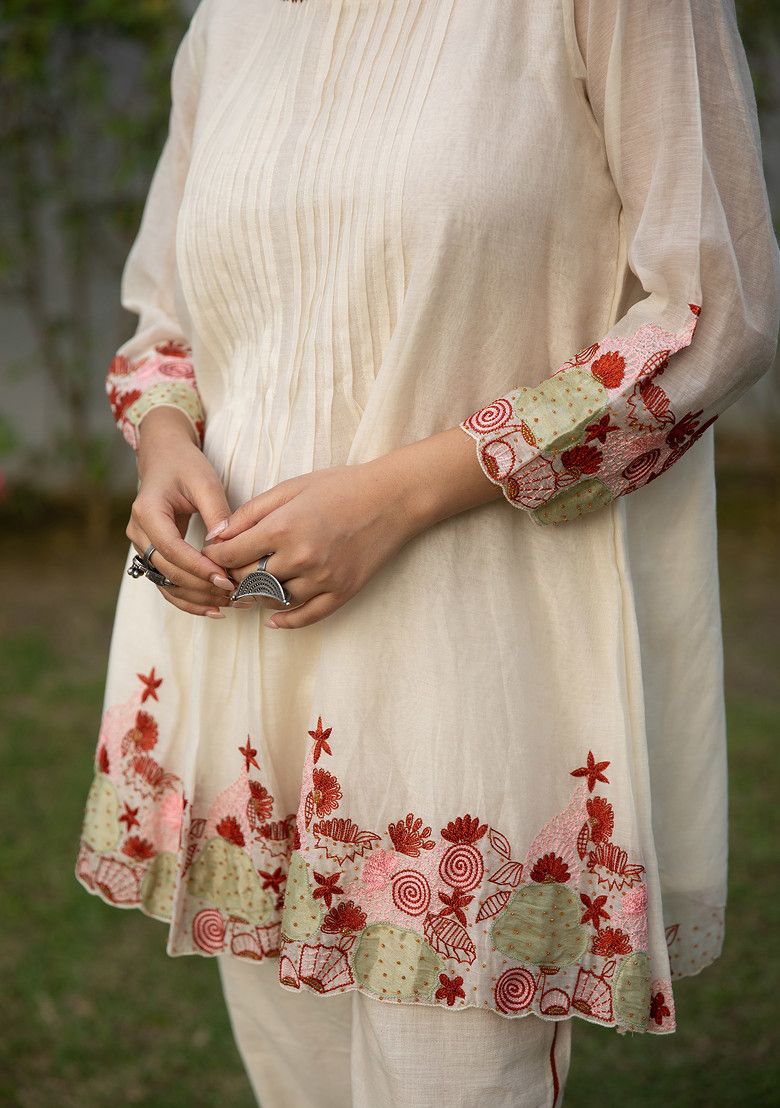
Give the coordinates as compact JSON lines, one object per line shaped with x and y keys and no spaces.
{"x":249,"y":754}
{"x":592,"y":771}
{"x":151,"y":684}
{"x":328,"y":887}
{"x":129,"y":817}
{"x":600,"y":429}
{"x":320,"y":739}
{"x":455,"y":904}
{"x":595,"y":911}
{"x":276,"y":879}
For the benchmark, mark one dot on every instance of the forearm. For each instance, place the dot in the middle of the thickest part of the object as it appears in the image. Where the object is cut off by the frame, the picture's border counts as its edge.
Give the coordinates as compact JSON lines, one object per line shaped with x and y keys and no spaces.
{"x":435,"y":477}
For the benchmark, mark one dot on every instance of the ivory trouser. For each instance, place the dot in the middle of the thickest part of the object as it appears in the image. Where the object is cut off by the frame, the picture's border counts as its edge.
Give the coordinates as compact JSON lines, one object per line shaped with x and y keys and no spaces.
{"x":301,"y":1050}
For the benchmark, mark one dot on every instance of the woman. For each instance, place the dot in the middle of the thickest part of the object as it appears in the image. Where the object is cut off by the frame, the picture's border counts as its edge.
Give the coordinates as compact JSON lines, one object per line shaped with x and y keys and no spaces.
{"x":430,"y":293}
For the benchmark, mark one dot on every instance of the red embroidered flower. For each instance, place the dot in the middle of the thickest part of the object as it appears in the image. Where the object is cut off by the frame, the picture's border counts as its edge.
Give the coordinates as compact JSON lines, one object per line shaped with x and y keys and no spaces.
{"x":121,"y":401}
{"x":138,"y":848}
{"x":229,"y":828}
{"x":609,"y":369}
{"x":450,"y":989}
{"x":273,"y":880}
{"x":455,"y":904}
{"x":410,"y":837}
{"x":600,"y":429}
{"x":601,"y":818}
{"x":581,"y":459}
{"x":326,"y":792}
{"x":611,"y":940}
{"x":328,"y":887}
{"x":103,"y":759}
{"x":345,"y":917}
{"x":320,"y":737}
{"x":550,"y":868}
{"x":593,"y":771}
{"x":260,"y":803}
{"x":464,"y":829}
{"x":658,"y":1009}
{"x":595,"y":909}
{"x":145,"y":732}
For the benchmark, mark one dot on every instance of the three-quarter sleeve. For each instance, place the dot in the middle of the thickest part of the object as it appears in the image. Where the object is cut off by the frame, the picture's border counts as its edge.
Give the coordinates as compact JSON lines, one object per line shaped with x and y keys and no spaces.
{"x":670,"y":89}
{"x":155,"y":367}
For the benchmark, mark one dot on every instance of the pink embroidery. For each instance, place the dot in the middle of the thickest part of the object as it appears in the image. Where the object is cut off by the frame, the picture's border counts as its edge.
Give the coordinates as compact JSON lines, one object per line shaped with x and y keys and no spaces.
{"x":443,"y":917}
{"x":600,"y":425}
{"x":165,"y":375}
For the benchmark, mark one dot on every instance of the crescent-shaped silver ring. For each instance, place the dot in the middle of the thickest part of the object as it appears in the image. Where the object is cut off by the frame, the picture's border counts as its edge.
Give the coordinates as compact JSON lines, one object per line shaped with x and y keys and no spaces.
{"x":262,"y":583}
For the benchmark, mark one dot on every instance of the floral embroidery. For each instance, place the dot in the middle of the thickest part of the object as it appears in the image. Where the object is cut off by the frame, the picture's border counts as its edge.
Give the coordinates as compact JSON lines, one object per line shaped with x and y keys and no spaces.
{"x":426,"y":918}
{"x":164,"y":376}
{"x":452,"y":918}
{"x":600,"y":427}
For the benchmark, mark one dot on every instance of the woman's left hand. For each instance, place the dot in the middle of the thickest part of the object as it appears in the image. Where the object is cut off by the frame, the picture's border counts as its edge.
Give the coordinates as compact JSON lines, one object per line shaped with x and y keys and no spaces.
{"x":327,"y":533}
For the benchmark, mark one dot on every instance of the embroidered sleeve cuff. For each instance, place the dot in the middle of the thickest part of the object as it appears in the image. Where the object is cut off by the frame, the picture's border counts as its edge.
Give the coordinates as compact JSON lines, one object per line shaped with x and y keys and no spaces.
{"x":600,"y":427}
{"x":163,"y":377}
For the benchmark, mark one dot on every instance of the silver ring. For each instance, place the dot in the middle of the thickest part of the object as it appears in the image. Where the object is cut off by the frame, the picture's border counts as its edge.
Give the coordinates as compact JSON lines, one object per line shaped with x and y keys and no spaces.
{"x":141,"y":566}
{"x":262,"y":583}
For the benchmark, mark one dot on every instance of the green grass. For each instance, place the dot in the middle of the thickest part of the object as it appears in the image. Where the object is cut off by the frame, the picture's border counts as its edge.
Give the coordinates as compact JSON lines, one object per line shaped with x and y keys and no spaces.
{"x":95,"y":1013}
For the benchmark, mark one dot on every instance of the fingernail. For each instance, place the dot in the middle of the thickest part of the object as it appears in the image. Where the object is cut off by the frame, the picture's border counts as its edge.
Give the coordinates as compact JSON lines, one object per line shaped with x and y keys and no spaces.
{"x":221,"y":582}
{"x":215,"y":613}
{"x":217,"y":529}
{"x":270,"y":623}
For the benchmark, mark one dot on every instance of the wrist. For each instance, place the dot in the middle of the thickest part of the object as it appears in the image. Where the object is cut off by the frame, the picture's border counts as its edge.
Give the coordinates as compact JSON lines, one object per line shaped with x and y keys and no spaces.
{"x":161,"y":429}
{"x":435,"y":478}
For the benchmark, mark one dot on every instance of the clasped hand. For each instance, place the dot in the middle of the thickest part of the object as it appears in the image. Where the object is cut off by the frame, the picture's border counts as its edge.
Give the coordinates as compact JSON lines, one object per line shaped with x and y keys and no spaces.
{"x":327,"y":531}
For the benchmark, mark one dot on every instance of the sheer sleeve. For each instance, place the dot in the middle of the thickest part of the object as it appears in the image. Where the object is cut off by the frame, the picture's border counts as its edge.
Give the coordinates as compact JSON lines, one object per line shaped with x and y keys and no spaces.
{"x":669,"y":86}
{"x":155,"y":367}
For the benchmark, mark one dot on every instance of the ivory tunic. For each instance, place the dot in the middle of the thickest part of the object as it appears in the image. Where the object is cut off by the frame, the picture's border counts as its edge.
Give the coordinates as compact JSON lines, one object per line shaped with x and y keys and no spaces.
{"x":497,"y":775}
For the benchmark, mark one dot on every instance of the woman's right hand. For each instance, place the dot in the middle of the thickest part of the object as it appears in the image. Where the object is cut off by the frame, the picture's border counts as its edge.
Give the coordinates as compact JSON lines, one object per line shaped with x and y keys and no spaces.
{"x":177,"y":480}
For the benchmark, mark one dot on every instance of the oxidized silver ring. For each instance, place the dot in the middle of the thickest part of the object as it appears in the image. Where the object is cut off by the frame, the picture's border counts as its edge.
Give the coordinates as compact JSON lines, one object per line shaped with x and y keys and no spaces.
{"x":141,"y":566}
{"x":262,"y":583}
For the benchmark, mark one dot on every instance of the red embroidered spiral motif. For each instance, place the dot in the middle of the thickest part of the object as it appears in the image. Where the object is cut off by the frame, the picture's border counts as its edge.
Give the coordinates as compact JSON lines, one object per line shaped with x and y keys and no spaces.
{"x":462,"y":866}
{"x":515,"y":990}
{"x":641,"y":466}
{"x":489,"y":418}
{"x":208,"y":930}
{"x":411,"y":892}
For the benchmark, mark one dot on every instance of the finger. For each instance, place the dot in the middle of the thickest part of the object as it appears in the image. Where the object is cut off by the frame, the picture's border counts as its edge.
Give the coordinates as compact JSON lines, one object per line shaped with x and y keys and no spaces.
{"x":313,"y":610}
{"x":210,"y":610}
{"x":175,"y":573}
{"x":211,"y":503}
{"x":210,"y":599}
{"x":253,"y":510}
{"x":248,"y":546}
{"x":164,"y":533}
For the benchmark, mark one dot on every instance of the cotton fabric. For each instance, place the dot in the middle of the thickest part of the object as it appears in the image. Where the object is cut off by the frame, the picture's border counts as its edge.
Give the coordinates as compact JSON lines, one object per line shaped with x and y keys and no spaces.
{"x":355,"y":1052}
{"x":496,"y":777}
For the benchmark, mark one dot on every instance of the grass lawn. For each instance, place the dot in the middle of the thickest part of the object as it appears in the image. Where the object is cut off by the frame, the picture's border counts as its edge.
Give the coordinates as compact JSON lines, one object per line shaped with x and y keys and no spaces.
{"x":94,"y":1013}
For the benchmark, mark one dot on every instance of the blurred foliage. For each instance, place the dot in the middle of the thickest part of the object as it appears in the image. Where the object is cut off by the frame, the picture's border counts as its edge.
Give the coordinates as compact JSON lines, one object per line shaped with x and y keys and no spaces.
{"x":78,"y":152}
{"x":759,"y":25}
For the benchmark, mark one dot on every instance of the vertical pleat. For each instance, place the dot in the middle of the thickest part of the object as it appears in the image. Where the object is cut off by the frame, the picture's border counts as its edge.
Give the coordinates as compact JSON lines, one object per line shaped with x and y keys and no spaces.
{"x":290,"y":234}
